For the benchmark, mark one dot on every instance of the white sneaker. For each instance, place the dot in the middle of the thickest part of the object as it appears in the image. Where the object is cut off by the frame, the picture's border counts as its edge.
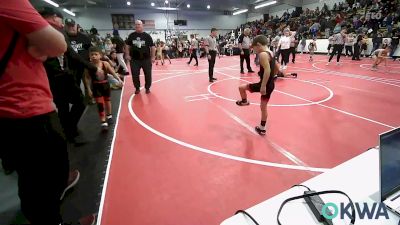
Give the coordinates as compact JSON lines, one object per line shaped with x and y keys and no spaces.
{"x":281,"y":67}
{"x":328,"y":63}
{"x":109,"y":117}
{"x":104,"y":125}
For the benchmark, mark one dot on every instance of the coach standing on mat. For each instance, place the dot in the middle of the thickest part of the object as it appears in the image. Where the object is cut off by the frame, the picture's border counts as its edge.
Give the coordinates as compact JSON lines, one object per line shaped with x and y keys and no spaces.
{"x":143,"y":54}
{"x":210,"y":45}
{"x":244,"y":45}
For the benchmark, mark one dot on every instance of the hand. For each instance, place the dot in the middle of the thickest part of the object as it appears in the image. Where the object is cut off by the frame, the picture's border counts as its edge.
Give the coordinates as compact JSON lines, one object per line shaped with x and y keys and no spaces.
{"x":106,"y":58}
{"x":263,"y":90}
{"x":209,"y":57}
{"x":128,"y":58}
{"x":121,"y":82}
{"x":242,"y":52}
{"x":90,"y":93}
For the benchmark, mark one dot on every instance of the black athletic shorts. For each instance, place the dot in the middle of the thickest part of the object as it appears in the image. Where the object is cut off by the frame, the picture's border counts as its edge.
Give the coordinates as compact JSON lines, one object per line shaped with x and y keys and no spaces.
{"x":101,"y":90}
{"x":256,"y":87}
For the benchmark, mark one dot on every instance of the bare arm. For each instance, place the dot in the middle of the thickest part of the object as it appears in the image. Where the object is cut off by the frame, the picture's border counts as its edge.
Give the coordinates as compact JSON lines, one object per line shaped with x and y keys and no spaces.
{"x":47,"y":42}
{"x":87,"y":81}
{"x":126,"y":49}
{"x":153,"y":52}
{"x":111,"y":71}
{"x":264,"y":61}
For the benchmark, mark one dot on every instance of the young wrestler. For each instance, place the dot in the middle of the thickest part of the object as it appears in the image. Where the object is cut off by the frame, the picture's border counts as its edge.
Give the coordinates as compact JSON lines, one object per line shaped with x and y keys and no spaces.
{"x":379,"y":56}
{"x":100,"y":87}
{"x":159,"y":55}
{"x":266,"y":84}
{"x":165,"y":50}
{"x":312,"y":47}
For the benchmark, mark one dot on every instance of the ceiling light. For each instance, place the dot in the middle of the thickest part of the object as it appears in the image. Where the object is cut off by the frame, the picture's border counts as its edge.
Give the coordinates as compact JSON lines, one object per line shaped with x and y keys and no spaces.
{"x":264,"y":4}
{"x":128,"y":3}
{"x":208,"y":7}
{"x":69,"y":12}
{"x":166,"y":1}
{"x":188,"y":5}
{"x":167,"y":8}
{"x":240,"y":12}
{"x":52,"y":3}
{"x":152,"y":4}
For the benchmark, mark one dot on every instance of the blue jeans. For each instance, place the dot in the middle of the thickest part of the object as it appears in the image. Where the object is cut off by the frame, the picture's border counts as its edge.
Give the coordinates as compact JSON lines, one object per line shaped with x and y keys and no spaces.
{"x":394,"y":47}
{"x":376,"y":46}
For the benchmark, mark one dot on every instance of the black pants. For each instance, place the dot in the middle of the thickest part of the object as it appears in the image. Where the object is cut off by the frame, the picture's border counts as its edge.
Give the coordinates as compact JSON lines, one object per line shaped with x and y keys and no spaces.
{"x":356,"y":54}
{"x":194,"y":56}
{"x":78,"y":74}
{"x":349,"y":49}
{"x":337,"y":49}
{"x":211,"y":64}
{"x":277,"y":54}
{"x":38,"y":153}
{"x":285,"y":56}
{"x":146,"y":65}
{"x":65,"y":92}
{"x":293,"y":51}
{"x":245,"y":56}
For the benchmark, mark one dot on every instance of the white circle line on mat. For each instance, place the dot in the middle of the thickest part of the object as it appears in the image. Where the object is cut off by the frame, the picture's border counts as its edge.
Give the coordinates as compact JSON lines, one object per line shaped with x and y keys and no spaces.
{"x":212,"y":152}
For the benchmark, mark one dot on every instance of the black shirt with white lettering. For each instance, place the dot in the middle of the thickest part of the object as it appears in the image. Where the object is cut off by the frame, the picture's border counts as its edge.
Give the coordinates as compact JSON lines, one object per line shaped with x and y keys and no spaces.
{"x":81,"y":44}
{"x":141,"y":44}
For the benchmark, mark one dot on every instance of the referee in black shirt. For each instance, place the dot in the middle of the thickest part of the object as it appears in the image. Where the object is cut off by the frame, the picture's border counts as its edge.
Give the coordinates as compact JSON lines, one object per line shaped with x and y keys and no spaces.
{"x":210,"y":45}
{"x":142,"y":51}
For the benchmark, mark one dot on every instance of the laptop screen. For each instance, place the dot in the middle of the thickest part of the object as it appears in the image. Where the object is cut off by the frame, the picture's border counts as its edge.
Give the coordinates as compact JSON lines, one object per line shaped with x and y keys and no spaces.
{"x":390,"y":163}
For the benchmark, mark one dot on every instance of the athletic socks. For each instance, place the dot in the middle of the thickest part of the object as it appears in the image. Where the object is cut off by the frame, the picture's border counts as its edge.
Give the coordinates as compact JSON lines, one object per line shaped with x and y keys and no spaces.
{"x":263,"y":123}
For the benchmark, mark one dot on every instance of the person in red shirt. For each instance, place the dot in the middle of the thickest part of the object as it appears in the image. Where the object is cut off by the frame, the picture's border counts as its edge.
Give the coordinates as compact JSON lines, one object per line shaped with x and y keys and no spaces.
{"x":29,"y":122}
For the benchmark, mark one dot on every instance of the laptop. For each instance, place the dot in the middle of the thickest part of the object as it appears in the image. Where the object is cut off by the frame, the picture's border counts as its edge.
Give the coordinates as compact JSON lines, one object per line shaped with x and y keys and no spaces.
{"x":389,"y":162}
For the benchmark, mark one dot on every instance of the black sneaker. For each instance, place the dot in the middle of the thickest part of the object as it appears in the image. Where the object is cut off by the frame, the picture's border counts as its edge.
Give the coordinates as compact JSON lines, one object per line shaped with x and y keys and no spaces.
{"x":147,"y":91}
{"x":294,"y":75}
{"x":260,"y":131}
{"x":214,"y":79}
{"x":126,"y":73}
{"x":241,"y":103}
{"x":242,"y":72}
{"x":196,"y":64}
{"x":251,"y":71}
